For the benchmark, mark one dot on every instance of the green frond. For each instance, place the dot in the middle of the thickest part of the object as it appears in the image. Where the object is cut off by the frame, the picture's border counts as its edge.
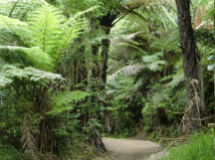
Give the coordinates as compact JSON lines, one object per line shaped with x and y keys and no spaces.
{"x":72,"y":29}
{"x":30,"y":73}
{"x":46,"y":26}
{"x":61,"y":100}
{"x":52,"y":32}
{"x":3,"y":80}
{"x":18,"y":9}
{"x":174,"y":59}
{"x":171,"y":17}
{"x":125,"y":71}
{"x":152,"y":58}
{"x":81,"y":13}
{"x":35,"y":55}
{"x":157,"y":66}
{"x":123,"y":87}
{"x":167,"y":78}
{"x":168,"y":42}
{"x":157,"y":98}
{"x":176,"y":79}
{"x":12,"y":27}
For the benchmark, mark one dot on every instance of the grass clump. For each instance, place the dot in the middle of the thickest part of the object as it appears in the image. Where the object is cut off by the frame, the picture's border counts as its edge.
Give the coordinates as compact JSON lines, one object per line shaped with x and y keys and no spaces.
{"x":199,"y":147}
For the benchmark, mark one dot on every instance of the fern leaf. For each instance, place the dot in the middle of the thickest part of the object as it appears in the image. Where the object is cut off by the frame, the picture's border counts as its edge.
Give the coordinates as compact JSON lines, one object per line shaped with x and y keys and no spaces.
{"x":61,"y":100}
{"x":35,"y":55}
{"x":170,"y":16}
{"x":177,"y":78}
{"x":31,"y":74}
{"x":45,"y":25}
{"x":3,"y":80}
{"x":152,"y":58}
{"x":18,"y":9}
{"x":157,"y":98}
{"x":126,"y":71}
{"x":157,"y":66}
{"x":13,"y":26}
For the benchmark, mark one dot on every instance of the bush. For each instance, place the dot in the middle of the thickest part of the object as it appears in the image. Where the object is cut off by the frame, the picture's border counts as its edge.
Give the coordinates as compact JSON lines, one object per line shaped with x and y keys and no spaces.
{"x":199,"y":147}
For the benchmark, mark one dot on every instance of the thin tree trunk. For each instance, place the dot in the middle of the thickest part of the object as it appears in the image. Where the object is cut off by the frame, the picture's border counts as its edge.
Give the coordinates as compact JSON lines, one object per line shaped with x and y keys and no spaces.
{"x":190,"y":59}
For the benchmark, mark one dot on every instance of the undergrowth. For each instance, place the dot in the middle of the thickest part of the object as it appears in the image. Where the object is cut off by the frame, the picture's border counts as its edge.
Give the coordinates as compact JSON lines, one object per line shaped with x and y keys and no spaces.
{"x":8,"y":152}
{"x":199,"y":147}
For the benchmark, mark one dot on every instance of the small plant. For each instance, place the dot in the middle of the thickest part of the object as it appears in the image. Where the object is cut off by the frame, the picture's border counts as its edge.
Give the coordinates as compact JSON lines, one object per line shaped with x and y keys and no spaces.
{"x":199,"y":147}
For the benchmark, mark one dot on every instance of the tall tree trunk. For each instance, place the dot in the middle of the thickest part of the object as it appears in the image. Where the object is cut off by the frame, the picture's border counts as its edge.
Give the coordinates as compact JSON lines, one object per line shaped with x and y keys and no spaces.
{"x":190,"y":59}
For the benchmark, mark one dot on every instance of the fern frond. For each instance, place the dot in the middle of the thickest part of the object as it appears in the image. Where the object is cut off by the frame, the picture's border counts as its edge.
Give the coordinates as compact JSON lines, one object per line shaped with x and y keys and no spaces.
{"x":176,"y":79}
{"x":61,"y":100}
{"x":126,"y":71}
{"x":31,"y":74}
{"x":152,"y":58}
{"x":18,"y":9}
{"x":171,"y":17}
{"x":157,"y":98}
{"x":168,"y":42}
{"x":13,"y":27}
{"x":4,"y":80}
{"x":52,"y":32}
{"x":123,"y":87}
{"x":46,"y":27}
{"x":157,"y":66}
{"x":35,"y":55}
{"x":167,"y":78}
{"x":73,"y":29}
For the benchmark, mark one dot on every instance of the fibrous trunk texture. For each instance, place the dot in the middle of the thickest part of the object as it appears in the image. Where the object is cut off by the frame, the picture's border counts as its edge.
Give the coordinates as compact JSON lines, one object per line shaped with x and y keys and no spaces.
{"x":190,"y":63}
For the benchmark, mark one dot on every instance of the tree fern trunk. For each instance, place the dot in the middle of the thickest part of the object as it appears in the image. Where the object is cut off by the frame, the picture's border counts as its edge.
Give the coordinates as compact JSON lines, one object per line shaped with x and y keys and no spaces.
{"x":190,"y":60}
{"x":104,"y":54}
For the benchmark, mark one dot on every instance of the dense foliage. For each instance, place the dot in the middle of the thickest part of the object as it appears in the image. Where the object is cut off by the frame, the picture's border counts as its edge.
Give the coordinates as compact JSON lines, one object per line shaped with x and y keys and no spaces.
{"x":70,"y":70}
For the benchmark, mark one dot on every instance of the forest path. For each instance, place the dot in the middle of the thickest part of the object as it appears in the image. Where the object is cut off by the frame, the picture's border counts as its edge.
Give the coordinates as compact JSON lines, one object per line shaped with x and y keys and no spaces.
{"x":124,"y":149}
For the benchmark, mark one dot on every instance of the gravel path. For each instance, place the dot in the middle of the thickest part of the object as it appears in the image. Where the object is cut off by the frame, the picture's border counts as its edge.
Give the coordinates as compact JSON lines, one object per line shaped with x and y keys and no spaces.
{"x":123,"y":149}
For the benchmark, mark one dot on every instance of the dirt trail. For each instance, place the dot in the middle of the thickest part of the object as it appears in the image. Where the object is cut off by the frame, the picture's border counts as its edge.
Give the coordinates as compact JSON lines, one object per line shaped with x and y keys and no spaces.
{"x":130,"y":149}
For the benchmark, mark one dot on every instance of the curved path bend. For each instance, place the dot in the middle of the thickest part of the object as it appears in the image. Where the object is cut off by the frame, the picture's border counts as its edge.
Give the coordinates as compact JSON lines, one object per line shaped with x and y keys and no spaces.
{"x":124,"y":149}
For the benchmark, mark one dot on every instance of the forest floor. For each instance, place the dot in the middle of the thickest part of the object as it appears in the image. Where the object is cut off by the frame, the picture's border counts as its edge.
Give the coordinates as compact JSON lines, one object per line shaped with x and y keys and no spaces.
{"x":123,"y":149}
